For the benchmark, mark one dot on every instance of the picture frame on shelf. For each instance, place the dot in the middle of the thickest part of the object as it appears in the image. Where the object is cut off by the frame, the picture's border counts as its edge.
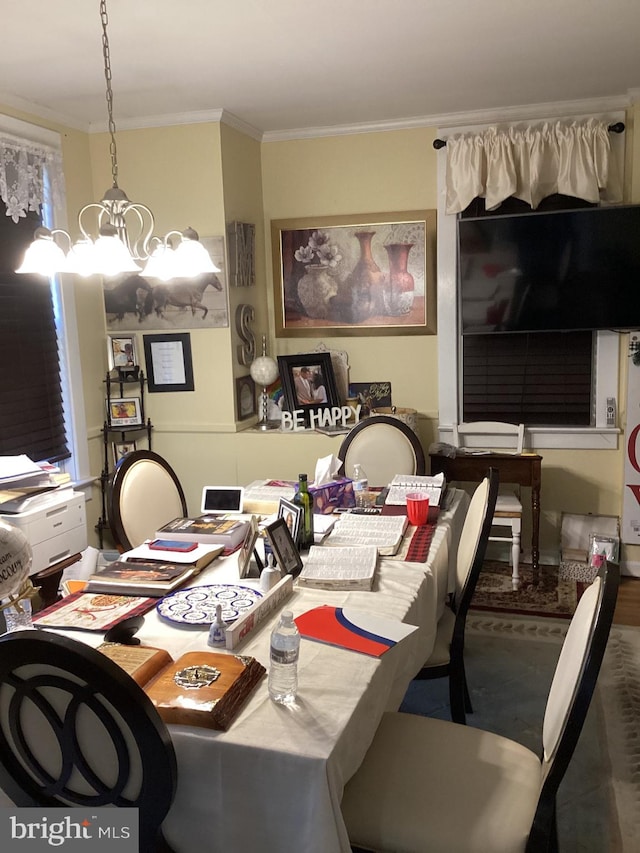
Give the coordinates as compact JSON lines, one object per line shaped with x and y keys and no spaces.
{"x":124,"y":412}
{"x":371,"y":395}
{"x":121,"y":352}
{"x":284,"y":548}
{"x":246,"y":405}
{"x":121,"y":448}
{"x":292,"y":515}
{"x":365,"y":274}
{"x":169,"y":362}
{"x":308,"y":382}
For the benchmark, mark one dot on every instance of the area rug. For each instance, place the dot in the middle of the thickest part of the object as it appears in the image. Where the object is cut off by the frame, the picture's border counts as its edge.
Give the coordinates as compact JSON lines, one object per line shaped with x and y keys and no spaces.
{"x":552,"y":596}
{"x":510,"y":663}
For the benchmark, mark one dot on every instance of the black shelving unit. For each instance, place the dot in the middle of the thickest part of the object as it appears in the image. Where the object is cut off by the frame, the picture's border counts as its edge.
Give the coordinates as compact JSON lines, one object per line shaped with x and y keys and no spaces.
{"x":110,"y":433}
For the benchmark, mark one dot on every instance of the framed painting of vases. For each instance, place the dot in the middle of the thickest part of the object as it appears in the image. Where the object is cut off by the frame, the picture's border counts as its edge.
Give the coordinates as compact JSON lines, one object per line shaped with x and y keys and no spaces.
{"x":369,"y":274}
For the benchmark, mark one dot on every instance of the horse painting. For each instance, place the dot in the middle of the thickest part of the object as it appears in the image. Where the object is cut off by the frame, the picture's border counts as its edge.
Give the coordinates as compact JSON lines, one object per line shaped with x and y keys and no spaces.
{"x":134,"y":295}
{"x":184,"y":293}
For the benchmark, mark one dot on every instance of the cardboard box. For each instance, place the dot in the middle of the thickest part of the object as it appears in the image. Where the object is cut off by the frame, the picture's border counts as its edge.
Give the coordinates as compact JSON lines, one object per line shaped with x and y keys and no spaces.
{"x":330,"y":496}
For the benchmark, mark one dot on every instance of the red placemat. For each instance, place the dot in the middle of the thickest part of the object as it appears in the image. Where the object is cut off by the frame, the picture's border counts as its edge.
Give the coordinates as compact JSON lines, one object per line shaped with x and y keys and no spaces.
{"x":418,"y":550}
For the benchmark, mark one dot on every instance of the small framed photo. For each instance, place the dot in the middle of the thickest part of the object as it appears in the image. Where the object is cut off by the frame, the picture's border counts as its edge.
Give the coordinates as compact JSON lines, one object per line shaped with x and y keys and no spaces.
{"x":308,"y":382}
{"x":121,"y":448}
{"x":124,"y":412}
{"x":292,"y":514}
{"x":246,"y":551}
{"x":283,"y":547}
{"x":245,"y":397}
{"x":121,"y":351}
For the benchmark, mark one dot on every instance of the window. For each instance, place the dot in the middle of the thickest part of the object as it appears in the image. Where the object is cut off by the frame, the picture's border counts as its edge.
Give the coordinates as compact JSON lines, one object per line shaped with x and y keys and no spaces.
{"x":464,"y":367}
{"x":42,"y":407}
{"x":31,"y":402}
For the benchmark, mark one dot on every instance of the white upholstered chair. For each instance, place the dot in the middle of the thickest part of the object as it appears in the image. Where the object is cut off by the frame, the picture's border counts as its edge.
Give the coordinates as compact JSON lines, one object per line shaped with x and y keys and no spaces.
{"x":430,"y":786}
{"x":447,"y":657}
{"x":144,"y":493}
{"x":508,"y":513}
{"x":384,"y":446}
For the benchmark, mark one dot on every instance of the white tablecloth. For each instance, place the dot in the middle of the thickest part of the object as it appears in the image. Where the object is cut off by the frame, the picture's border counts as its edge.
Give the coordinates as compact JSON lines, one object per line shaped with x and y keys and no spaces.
{"x":273,"y":782}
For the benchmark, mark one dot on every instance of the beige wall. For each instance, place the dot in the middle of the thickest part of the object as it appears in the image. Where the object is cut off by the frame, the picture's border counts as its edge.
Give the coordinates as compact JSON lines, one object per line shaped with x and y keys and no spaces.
{"x":204,"y":175}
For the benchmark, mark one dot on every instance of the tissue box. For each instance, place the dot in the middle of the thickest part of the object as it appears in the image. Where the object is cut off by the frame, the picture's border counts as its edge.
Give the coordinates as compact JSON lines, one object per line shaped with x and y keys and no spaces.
{"x":330,"y":496}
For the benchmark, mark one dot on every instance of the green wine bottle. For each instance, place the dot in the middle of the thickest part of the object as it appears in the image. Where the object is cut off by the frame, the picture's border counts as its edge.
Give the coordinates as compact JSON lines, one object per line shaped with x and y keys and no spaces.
{"x":305,"y":501}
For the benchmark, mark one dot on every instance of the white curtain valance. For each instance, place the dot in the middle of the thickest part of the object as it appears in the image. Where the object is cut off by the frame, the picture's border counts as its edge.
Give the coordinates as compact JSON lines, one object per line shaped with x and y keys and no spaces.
{"x":23,"y":186}
{"x":531,"y":163}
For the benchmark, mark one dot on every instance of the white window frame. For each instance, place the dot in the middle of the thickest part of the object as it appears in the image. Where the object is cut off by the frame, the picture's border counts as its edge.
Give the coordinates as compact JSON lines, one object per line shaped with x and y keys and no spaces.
{"x":66,"y":325}
{"x":607,"y":349}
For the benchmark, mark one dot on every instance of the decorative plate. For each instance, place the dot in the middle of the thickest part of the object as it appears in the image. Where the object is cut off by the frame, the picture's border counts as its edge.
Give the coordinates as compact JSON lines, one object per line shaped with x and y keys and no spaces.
{"x":197,"y":605}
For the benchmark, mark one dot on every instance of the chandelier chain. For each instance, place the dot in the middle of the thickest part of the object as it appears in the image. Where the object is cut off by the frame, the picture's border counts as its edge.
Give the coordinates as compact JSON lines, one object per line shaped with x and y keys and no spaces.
{"x":107,"y":75}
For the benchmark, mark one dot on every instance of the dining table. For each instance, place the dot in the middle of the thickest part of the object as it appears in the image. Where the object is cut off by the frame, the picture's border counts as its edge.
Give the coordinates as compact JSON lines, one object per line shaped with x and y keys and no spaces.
{"x":273,"y":781}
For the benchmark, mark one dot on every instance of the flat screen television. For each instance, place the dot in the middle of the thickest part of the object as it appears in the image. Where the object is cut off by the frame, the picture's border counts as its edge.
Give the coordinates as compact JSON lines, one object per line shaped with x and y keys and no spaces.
{"x":558,"y":271}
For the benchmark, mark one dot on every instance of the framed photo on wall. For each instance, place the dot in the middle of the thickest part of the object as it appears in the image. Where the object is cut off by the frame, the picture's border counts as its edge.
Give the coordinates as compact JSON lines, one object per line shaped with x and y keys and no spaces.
{"x":367,"y":274}
{"x":169,"y":363}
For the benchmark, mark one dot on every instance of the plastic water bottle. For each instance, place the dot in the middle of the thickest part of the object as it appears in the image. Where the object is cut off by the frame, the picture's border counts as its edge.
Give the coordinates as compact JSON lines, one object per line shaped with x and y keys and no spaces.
{"x":283,"y":671}
{"x":360,"y":485}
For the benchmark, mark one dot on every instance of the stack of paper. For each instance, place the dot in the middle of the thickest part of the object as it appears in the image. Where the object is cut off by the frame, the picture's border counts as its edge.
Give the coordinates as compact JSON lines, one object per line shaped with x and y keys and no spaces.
{"x":339,"y":568}
{"x":263,"y":496}
{"x":404,"y":484}
{"x":385,"y":532}
{"x":20,"y":480}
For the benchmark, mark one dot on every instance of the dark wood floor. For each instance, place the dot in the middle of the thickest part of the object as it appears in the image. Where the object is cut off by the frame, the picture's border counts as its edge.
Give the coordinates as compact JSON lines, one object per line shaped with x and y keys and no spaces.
{"x":628,"y":606}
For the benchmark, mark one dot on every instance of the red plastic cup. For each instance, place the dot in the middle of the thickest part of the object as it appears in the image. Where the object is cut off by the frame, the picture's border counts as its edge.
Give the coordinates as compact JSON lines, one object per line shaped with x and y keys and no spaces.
{"x":417,"y":508}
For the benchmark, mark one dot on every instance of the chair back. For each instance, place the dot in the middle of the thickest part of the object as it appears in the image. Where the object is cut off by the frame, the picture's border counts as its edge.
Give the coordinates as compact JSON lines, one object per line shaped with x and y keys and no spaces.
{"x":76,"y":730}
{"x":511,"y":432}
{"x":144,"y":493}
{"x":472,"y":546}
{"x":572,"y":689}
{"x":384,"y":446}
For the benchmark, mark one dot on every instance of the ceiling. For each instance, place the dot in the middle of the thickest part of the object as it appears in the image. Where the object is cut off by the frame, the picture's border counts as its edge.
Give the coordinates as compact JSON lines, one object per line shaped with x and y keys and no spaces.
{"x":285,"y":65}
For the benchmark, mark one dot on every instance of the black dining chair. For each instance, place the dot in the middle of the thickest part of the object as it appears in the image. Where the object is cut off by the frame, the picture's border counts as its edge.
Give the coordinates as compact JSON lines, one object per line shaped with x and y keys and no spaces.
{"x":447,"y":657}
{"x":76,"y":730}
{"x":431,"y":786}
{"x":143,"y":494}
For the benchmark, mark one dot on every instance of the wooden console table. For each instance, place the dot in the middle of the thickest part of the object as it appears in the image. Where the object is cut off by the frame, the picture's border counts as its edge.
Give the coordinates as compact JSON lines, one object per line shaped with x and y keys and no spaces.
{"x":524,"y":469}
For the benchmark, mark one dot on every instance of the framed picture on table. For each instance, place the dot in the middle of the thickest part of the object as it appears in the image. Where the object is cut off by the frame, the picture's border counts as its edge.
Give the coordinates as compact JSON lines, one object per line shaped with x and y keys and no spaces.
{"x":292,"y":514}
{"x":283,"y":547}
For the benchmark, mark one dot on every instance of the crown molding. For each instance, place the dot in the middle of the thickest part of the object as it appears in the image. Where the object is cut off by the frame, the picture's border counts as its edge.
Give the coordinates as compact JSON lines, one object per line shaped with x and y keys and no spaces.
{"x":524,"y":112}
{"x":175,"y":119}
{"x":38,"y":111}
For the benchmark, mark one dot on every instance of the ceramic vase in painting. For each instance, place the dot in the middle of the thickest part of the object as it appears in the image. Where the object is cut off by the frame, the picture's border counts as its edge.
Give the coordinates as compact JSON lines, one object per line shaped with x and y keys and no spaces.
{"x":399,"y":288}
{"x":360,"y":296}
{"x":316,"y":289}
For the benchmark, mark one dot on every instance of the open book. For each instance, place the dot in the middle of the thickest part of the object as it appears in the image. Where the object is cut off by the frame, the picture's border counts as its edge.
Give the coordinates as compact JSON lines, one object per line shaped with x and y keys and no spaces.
{"x":385,"y":532}
{"x":404,"y":484}
{"x":339,"y":568}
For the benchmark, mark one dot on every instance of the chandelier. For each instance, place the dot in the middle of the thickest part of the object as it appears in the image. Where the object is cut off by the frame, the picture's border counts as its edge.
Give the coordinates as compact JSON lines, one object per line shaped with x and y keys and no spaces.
{"x":124,"y":240}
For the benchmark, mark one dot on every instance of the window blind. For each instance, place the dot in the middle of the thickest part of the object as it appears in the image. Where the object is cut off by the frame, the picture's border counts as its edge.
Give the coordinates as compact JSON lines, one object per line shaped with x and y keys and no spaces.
{"x":31,"y":402}
{"x":541,"y":379}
